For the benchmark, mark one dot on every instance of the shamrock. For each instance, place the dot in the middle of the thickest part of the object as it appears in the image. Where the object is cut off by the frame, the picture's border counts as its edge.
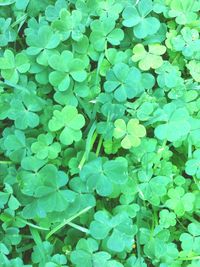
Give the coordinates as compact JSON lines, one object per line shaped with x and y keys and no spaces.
{"x":168,"y":76}
{"x":131,"y":133}
{"x":153,"y":189}
{"x":44,"y":39}
{"x":109,"y":9}
{"x":167,"y":218}
{"x":15,"y":145}
{"x":137,"y":18}
{"x":69,"y":119}
{"x":111,"y":146}
{"x":188,"y":42}
{"x":45,"y":186}
{"x":192,"y":166}
{"x":6,"y":33}
{"x":12,"y":66}
{"x":183,"y":11}
{"x":194,"y":69}
{"x":177,"y":124}
{"x":145,"y":111}
{"x":117,"y":231}
{"x":42,"y":254}
{"x":132,"y":261}
{"x":190,"y":241}
{"x":45,"y":147}
{"x":105,"y":31}
{"x":52,"y":11}
{"x":69,"y":24}
{"x":161,"y":250}
{"x":102,"y":176}
{"x":8,"y":198}
{"x":179,"y":201}
{"x":124,"y":81}
{"x":87,"y":253}
{"x":151,"y":59}
{"x":66,"y":66}
{"x":23,"y":113}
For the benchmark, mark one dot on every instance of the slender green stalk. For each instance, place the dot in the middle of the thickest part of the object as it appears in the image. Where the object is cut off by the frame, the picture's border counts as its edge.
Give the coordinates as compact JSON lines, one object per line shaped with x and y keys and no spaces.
{"x":138,"y":222}
{"x":78,"y":227}
{"x":191,"y":219}
{"x":196,"y":182}
{"x":5,"y":162}
{"x":65,"y":222}
{"x":189,"y":149}
{"x":92,"y":135}
{"x":38,"y":241}
{"x":99,"y":145}
{"x":189,"y":258}
{"x":32,"y":225}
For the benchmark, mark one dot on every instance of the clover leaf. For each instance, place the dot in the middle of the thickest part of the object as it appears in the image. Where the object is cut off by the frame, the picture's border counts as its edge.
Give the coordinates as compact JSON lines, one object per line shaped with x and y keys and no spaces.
{"x":45,"y":147}
{"x":167,"y":218}
{"x":124,"y":81}
{"x":151,"y":59}
{"x":190,"y":241}
{"x":44,"y":39}
{"x":47,"y":194}
{"x":177,"y":124}
{"x":69,"y":24}
{"x":52,"y":11}
{"x":184,"y":12}
{"x":143,"y":25}
{"x":87,"y":253}
{"x":69,"y":119}
{"x":105,"y":31}
{"x":118,"y":231}
{"x":109,"y":9}
{"x":179,"y":201}
{"x":23,"y":113}
{"x":15,"y":145}
{"x":66,"y":66}
{"x":42,"y":254}
{"x":131,"y":133}
{"x":192,"y":166}
{"x":153,"y":189}
{"x":188,"y":42}
{"x":110,"y":173}
{"x":168,"y":76}
{"x":194,"y":69}
{"x":12,"y":66}
{"x":6,"y":32}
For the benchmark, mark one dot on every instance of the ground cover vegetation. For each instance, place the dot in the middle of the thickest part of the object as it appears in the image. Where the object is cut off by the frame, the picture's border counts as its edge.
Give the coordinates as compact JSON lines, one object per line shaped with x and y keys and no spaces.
{"x":100,"y":133}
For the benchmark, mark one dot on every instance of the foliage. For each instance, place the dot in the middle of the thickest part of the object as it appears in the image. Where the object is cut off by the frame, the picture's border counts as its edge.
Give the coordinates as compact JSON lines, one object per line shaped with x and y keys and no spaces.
{"x":100,"y":133}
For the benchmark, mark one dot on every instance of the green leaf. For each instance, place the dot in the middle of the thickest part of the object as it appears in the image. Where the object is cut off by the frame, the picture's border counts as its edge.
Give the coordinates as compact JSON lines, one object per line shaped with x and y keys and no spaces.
{"x":109,"y":173}
{"x":177,"y":125}
{"x":69,"y":119}
{"x":45,"y":147}
{"x":137,"y":18}
{"x":131,"y":133}
{"x":151,"y":59}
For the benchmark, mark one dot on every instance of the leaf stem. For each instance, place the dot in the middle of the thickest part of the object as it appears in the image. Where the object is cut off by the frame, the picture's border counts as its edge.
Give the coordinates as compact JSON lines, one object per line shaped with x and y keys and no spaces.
{"x":99,"y":146}
{"x":189,"y":149}
{"x":5,"y":162}
{"x":196,"y":182}
{"x":32,"y":225}
{"x":189,"y":258}
{"x":191,"y":219}
{"x":92,"y":135}
{"x":65,"y":222}
{"x":138,"y":221}
{"x":78,"y":227}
